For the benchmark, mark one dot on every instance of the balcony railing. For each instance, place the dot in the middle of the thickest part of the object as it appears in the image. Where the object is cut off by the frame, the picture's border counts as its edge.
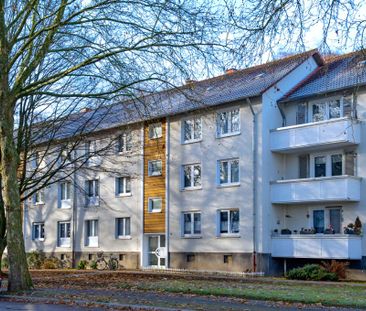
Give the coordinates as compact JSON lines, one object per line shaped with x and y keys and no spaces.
{"x":331,"y":133}
{"x":323,"y":189}
{"x":317,"y":246}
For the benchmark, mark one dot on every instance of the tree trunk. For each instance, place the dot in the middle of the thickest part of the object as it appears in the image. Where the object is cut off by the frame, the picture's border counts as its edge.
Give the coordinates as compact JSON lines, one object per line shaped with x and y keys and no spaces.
{"x":19,"y":276}
{"x":2,"y":230}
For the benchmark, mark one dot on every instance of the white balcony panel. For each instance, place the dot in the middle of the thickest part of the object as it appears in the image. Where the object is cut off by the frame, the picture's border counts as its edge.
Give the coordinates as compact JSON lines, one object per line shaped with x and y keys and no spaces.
{"x":325,"y":134}
{"x":323,"y":189}
{"x":317,"y":246}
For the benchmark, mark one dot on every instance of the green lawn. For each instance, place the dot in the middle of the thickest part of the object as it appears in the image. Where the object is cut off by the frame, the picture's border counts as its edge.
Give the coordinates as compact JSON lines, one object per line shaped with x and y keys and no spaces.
{"x":327,"y":294}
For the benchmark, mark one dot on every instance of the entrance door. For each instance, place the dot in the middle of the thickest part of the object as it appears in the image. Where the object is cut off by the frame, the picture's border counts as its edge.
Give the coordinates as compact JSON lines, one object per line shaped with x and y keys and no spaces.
{"x":156,"y":251}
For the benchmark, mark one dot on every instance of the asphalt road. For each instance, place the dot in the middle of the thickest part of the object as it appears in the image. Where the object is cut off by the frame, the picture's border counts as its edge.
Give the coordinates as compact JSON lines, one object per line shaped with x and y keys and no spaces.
{"x":19,"y":306}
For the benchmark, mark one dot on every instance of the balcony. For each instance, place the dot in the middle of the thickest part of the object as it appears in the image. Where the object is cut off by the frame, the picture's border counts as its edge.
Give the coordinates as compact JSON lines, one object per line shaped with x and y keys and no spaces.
{"x":320,"y":135}
{"x":323,"y":189}
{"x":337,"y":246}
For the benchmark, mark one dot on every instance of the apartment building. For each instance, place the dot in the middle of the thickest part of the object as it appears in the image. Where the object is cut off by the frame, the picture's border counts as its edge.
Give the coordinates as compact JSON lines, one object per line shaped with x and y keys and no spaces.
{"x":248,"y":171}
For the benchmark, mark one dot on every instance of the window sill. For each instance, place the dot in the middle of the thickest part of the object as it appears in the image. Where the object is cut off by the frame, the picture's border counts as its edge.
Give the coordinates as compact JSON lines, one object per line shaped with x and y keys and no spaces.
{"x":228,"y":235}
{"x":155,"y":175}
{"x":228,"y":135}
{"x":190,"y":189}
{"x":124,"y":237}
{"x":228,"y":185}
{"x":193,"y":141}
{"x":38,"y":240}
{"x":122,"y":195}
{"x":157,"y":137}
{"x":191,"y":236}
{"x":157,"y":211}
{"x":94,"y":246}
{"x":39,"y":203}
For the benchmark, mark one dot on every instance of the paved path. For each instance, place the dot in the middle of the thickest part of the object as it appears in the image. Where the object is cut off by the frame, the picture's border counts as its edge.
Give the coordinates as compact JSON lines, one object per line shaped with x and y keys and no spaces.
{"x":141,"y":300}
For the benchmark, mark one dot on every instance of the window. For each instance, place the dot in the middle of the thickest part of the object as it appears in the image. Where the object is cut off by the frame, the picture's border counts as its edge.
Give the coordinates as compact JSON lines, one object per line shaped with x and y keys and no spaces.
{"x":335,"y":219}
{"x":38,"y":231}
{"x":155,"y":130}
{"x":64,"y":233}
{"x":229,"y":222}
{"x":320,"y":166}
{"x":123,"y":186}
{"x":192,"y":130}
{"x":191,"y":223}
{"x":123,"y":227}
{"x":228,"y":259}
{"x":318,"y":221}
{"x":155,"y":168}
{"x":301,"y":113}
{"x":332,"y":109}
{"x":92,"y":192}
{"x":336,"y":164}
{"x":228,"y":122}
{"x":65,"y":191}
{"x":38,"y":197}
{"x":124,"y":142}
{"x":155,"y":205}
{"x":191,"y":176}
{"x":304,"y":166}
{"x":190,"y":258}
{"x":331,"y":165}
{"x":91,"y":232}
{"x":228,"y":172}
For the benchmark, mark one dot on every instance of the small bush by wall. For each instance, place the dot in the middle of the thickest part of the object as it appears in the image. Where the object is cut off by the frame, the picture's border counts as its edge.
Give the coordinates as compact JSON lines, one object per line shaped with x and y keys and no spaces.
{"x":312,"y":273}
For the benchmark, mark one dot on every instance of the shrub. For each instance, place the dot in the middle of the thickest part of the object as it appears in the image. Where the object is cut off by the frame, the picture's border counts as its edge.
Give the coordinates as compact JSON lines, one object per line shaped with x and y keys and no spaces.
{"x":93,"y":265}
{"x":51,"y":263}
{"x":337,"y":267}
{"x":82,"y":265}
{"x":35,"y":259}
{"x":311,"y":273}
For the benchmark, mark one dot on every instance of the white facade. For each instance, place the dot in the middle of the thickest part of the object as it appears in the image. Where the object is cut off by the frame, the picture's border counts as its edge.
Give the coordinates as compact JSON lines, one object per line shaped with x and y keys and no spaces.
{"x":248,"y":191}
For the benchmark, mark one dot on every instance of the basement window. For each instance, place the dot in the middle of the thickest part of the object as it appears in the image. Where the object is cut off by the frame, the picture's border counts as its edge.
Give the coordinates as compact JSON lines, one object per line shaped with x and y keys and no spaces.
{"x":191,"y":258}
{"x":228,"y":259}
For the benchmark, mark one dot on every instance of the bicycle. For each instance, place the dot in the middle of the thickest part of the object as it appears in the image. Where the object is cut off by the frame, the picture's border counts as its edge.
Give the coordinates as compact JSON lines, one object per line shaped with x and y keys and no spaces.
{"x":105,"y":263}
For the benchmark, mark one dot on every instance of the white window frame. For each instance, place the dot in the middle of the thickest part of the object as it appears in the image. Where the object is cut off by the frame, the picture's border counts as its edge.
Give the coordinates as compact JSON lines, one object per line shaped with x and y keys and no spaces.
{"x":327,"y":102}
{"x":150,"y":204}
{"x":124,"y":142}
{"x":40,"y":226}
{"x":230,"y":132}
{"x":150,"y":166}
{"x":192,"y":186}
{"x":66,"y":238}
{"x":229,"y":183}
{"x":65,"y":188}
{"x":328,"y":163}
{"x":191,"y":234}
{"x":124,"y":221}
{"x":39,"y":197}
{"x":153,"y":134}
{"x":183,"y":127}
{"x":124,"y":192}
{"x":218,"y":223}
{"x":91,"y":238}
{"x":92,"y":200}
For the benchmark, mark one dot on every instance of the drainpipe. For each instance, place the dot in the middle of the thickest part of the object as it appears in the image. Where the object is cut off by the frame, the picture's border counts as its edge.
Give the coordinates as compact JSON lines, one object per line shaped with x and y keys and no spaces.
{"x":142,"y":195}
{"x":167,"y":191}
{"x":74,"y":216}
{"x":282,"y":114}
{"x":255,"y":177}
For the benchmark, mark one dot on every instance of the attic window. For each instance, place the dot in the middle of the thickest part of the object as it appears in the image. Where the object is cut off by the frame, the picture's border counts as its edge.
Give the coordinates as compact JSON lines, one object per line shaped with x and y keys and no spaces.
{"x":361,"y":63}
{"x":260,"y":75}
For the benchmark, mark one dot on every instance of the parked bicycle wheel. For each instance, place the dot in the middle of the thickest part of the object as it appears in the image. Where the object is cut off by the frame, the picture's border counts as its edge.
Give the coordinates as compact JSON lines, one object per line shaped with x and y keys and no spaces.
{"x":113,"y":263}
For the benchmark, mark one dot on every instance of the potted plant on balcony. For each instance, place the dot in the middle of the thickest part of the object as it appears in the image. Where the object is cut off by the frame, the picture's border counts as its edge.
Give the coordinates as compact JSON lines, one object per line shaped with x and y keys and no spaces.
{"x":307,"y":231}
{"x":358,"y":226}
{"x":286,"y":231}
{"x":349,"y":229}
{"x":329,"y":230}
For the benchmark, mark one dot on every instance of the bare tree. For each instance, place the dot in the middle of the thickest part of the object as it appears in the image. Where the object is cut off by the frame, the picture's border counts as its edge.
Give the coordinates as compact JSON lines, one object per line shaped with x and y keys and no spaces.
{"x":59,"y":57}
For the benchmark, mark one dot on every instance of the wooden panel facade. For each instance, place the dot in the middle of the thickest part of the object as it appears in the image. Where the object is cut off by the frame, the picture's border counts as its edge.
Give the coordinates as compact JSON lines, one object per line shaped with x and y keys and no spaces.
{"x":154,"y":186}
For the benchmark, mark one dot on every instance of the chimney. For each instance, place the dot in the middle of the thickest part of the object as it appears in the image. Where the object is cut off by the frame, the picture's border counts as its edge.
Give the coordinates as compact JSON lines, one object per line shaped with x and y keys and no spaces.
{"x":189,"y":81}
{"x":230,"y":71}
{"x":84,"y":110}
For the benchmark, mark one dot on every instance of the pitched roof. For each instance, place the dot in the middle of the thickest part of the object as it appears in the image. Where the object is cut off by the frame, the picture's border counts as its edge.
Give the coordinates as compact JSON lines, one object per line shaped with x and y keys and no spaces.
{"x":339,"y":73}
{"x":241,"y":84}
